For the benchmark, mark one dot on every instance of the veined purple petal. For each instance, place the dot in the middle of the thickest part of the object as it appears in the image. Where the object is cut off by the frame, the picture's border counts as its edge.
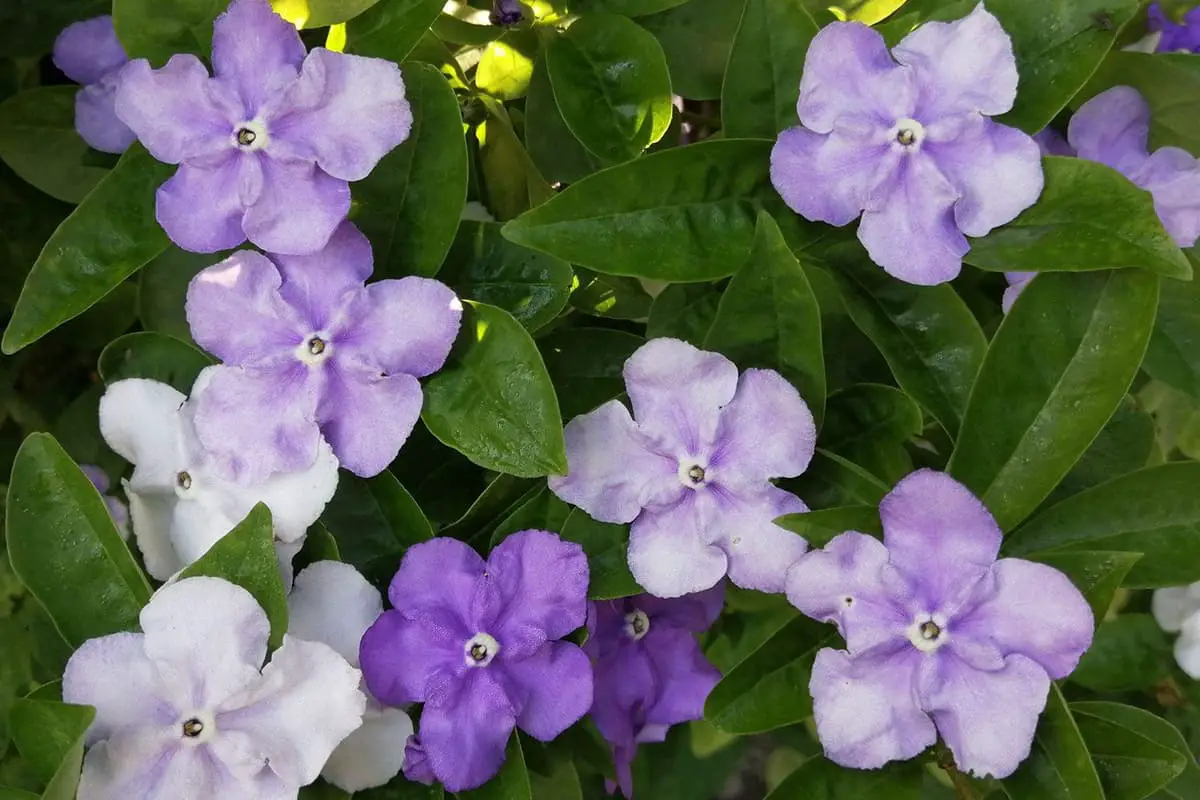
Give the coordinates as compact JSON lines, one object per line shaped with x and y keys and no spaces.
{"x":96,"y":118}
{"x":684,"y":676}
{"x":848,"y":72}
{"x":416,"y":762}
{"x":1112,"y":128}
{"x":298,"y":210}
{"x":553,"y":689}
{"x":317,"y":284}
{"x":113,"y":674}
{"x":669,"y":554}
{"x":465,"y":736}
{"x":406,"y":661}
{"x":540,"y":582}
{"x":367,"y":416}
{"x":88,"y":50}
{"x":693,"y":612}
{"x":765,"y":432}
{"x":1052,"y":143}
{"x":200,"y":207}
{"x":741,"y":523}
{"x":830,"y":176}
{"x":401,"y":326}
{"x":255,"y":50}
{"x":1172,"y":176}
{"x":435,"y":583}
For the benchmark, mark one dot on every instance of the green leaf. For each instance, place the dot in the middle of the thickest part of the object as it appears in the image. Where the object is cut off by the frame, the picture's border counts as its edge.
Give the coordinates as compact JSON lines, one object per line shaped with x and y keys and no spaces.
{"x":411,"y":202}
{"x":769,"y":688}
{"x":1059,"y":766}
{"x":585,"y":365}
{"x":684,"y":311}
{"x":1125,"y":445}
{"x":246,"y":556}
{"x":1128,"y":653}
{"x":320,"y":13}
{"x":503,"y":495}
{"x":1173,"y":355}
{"x":1135,"y":752}
{"x":51,"y":738}
{"x":391,"y":29}
{"x":401,"y":788}
{"x":542,"y":511}
{"x":154,"y":356}
{"x":512,"y":783}
{"x":1170,"y":83}
{"x":64,"y":546}
{"x":483,"y":265}
{"x":606,"y":546}
{"x":867,"y":413}
{"x":511,"y":179}
{"x":506,"y":66}
{"x":1154,"y":511}
{"x":768,"y":317}
{"x":38,"y":140}
{"x":162,"y":290}
{"x":684,"y":214}
{"x":374,"y":520}
{"x":1057,"y":369}
{"x":1089,"y":217}
{"x":630,"y":8}
{"x":927,"y":335}
{"x":552,"y":147}
{"x":158,"y":29}
{"x":610,"y":296}
{"x":762,"y":79}
{"x":832,"y":480}
{"x":1096,"y":573}
{"x":611,"y":84}
{"x":493,"y":400}
{"x":106,"y":239}
{"x":560,"y":783}
{"x":696,"y":37}
{"x":28,"y":27}
{"x":819,"y":527}
{"x":820,"y":779}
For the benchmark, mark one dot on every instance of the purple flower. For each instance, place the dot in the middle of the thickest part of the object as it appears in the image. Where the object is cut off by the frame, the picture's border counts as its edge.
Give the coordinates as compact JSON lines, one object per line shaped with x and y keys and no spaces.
{"x":186,"y":709}
{"x":1017,"y":281}
{"x":310,"y":350}
{"x":650,"y":671}
{"x":116,"y":509}
{"x":477,"y":643}
{"x":906,"y":141}
{"x":1052,"y":143}
{"x":267,"y":144}
{"x":1174,"y":37}
{"x":88,"y":53}
{"x":693,"y":473}
{"x":941,"y":637}
{"x":506,"y":12}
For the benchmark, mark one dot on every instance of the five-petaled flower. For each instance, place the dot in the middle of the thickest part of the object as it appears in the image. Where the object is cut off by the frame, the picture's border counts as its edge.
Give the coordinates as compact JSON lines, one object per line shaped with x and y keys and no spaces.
{"x":1174,"y":36}
{"x":178,"y":502}
{"x":908,"y":143}
{"x":310,"y":350}
{"x":941,"y":637}
{"x":478,"y":643}
{"x":265,"y":146}
{"x":650,"y":671}
{"x":88,"y":53}
{"x":185,"y":709}
{"x":693,"y":473}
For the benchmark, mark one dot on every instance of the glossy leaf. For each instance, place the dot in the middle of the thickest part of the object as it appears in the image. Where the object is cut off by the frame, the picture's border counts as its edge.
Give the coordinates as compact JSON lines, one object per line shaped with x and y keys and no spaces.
{"x":246,"y":556}
{"x":391,"y":29}
{"x":1173,"y":355}
{"x":158,"y":29}
{"x":512,"y":181}
{"x":1154,"y":511}
{"x":1135,"y":752}
{"x":506,"y":65}
{"x":1126,"y":444}
{"x":762,"y":79}
{"x":1096,"y":573}
{"x":831,"y":480}
{"x":38,"y":140}
{"x":320,"y":13}
{"x":820,"y":779}
{"x":374,"y":520}
{"x":696,"y":37}
{"x":1089,"y":217}
{"x":412,"y":200}
{"x":1059,"y":766}
{"x":606,"y":546}
{"x":1055,"y":372}
{"x":1128,"y":653}
{"x":768,"y":318}
{"x":512,"y":783}
{"x":502,"y":496}
{"x":154,"y":356}
{"x":542,"y":510}
{"x":610,"y":296}
{"x":869,"y":412}
{"x":630,"y":8}
{"x":585,"y":365}
{"x":820,"y":526}
{"x":684,"y":311}
{"x":554,"y":149}
{"x":64,"y":546}
{"x":50,"y":737}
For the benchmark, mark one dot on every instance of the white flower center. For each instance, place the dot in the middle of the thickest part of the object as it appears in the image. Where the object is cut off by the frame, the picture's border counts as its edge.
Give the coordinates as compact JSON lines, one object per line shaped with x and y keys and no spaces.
{"x":184,"y":484}
{"x":315,"y":348}
{"x":197,"y":728}
{"x":637,"y":624}
{"x":908,"y":133}
{"x":928,"y":632}
{"x":251,"y":135}
{"x":692,"y":473}
{"x":480,"y":649}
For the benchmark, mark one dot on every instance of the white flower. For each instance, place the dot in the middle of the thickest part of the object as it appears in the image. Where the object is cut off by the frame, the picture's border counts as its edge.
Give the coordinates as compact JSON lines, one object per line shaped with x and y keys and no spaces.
{"x":1177,"y":609}
{"x":186,"y":710}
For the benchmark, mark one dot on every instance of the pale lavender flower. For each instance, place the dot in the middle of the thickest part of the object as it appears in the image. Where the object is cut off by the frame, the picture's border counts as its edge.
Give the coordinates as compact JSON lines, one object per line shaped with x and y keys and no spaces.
{"x":478,"y":643}
{"x":941,"y":637}
{"x":693,"y":473}
{"x":88,"y":53}
{"x":265,"y":146}
{"x":116,"y":509}
{"x":1177,"y":610}
{"x":1017,"y":281}
{"x":650,"y":671}
{"x":186,"y":709}
{"x":310,"y":350}
{"x":1173,"y":36}
{"x":905,"y":139}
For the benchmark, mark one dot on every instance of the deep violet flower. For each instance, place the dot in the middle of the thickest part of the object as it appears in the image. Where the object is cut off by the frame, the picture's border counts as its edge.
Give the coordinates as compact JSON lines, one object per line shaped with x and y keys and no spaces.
{"x":185,"y":709}
{"x":506,"y":12}
{"x":478,"y":643}
{"x":116,"y":509}
{"x":941,"y":637}
{"x":650,"y":671}
{"x":905,"y":139}
{"x":1173,"y":36}
{"x":693,"y":472}
{"x":88,"y":53}
{"x":265,"y":146}
{"x":310,"y":350}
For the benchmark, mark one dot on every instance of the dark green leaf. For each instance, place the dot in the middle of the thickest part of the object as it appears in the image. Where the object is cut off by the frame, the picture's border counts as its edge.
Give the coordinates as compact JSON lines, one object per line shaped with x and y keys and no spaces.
{"x":50,"y":737}
{"x":696,"y":37}
{"x":1128,"y":653}
{"x":684,"y":311}
{"x":819,"y":779}
{"x":1059,"y":766}
{"x":1096,"y":573}
{"x":321,"y":13}
{"x":1135,"y":752}
{"x":1170,"y":82}
{"x":158,"y":29}
{"x":391,"y":29}
{"x":401,"y":788}
{"x":154,"y":356}
{"x":511,"y":179}
{"x":585,"y":365}
{"x":64,"y":546}
{"x":1173,"y":355}
{"x":493,"y":401}
{"x":374,"y":520}
{"x":38,"y":140}
{"x":1055,"y":372}
{"x":1125,"y":445}
{"x":511,"y":784}
{"x":867,"y":413}
{"x":610,"y":296}
{"x":552,"y":146}
{"x":605,"y":545}
{"x":819,"y":527}
{"x":831,"y":480}
{"x":412,"y":200}
{"x":502,"y":495}
{"x":28,"y":27}
{"x":162,"y":290}
{"x":542,"y":511}
{"x":630,"y":8}
{"x":106,"y":239}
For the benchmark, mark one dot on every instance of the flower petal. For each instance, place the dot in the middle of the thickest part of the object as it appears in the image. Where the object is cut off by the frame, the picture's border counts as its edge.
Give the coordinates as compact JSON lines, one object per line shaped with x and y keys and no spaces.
{"x":367,"y":417}
{"x":1172,"y":177}
{"x":677,"y":392}
{"x":306,"y":703}
{"x":844,"y":583}
{"x":553,"y":689}
{"x":766,"y":432}
{"x":406,"y":325}
{"x":1112,"y":128}
{"x":296,"y":499}
{"x":407,"y":661}
{"x":1031,"y":609}
{"x":152,"y":513}
{"x":540,"y":583}
{"x":178,"y":112}
{"x":909,"y":229}
{"x":940,"y":537}
{"x":88,"y":50}
{"x":148,"y":762}
{"x":316,"y":285}
{"x":139,"y":420}
{"x":345,"y":113}
{"x":669,"y":555}
{"x":200,"y":207}
{"x":113,"y":674}
{"x":1187,"y":646}
{"x":298,"y":210}
{"x":684,"y":676}
{"x":865,"y":707}
{"x":1017,"y":281}
{"x":694,"y":612}
{"x":256,"y":50}
{"x":235,"y":310}
{"x":332,"y":603}
{"x":97,"y":121}
{"x":962,"y":66}
{"x":201,"y":521}
{"x":436,"y":582}
{"x":373,"y":754}
{"x":848,"y":73}
{"x":996,"y":169}
{"x":465,"y":736}
{"x":612,"y":473}
{"x":986,"y":718}
{"x":759,"y":551}
{"x":1052,"y":143}
{"x":1173,"y":605}
{"x":829,"y":176}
